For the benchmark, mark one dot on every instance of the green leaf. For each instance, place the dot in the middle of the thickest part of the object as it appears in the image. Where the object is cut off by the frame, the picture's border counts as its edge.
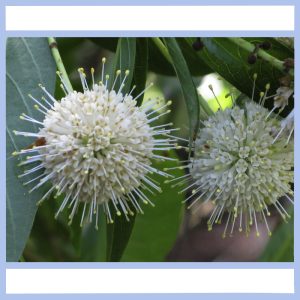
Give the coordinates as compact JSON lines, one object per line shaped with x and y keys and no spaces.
{"x":155,"y":232}
{"x":29,"y":63}
{"x":124,"y":60}
{"x":119,"y":232}
{"x":281,"y":245}
{"x":93,"y":242}
{"x":187,"y":85}
{"x":140,"y":68}
{"x":231,"y":62}
{"x":118,"y":235}
{"x":157,"y":62}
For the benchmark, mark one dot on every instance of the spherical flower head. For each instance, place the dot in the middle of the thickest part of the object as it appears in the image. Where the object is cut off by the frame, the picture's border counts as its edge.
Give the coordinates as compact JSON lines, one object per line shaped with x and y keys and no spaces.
{"x":242,"y":165}
{"x":98,"y":146}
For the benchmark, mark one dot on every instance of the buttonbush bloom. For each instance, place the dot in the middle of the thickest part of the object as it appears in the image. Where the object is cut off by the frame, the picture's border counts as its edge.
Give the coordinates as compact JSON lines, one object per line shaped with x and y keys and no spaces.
{"x":96,"y":147}
{"x":242,"y":162}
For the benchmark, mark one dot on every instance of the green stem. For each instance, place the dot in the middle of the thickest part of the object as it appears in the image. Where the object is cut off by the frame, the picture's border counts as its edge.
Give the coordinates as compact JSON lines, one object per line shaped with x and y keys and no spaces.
{"x":163,"y":49}
{"x":59,"y":63}
{"x":276,"y":63}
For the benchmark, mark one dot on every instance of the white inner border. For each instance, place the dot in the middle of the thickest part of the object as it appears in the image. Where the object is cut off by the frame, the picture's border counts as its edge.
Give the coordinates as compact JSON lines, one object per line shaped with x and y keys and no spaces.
{"x":24,"y":281}
{"x":152,"y":18}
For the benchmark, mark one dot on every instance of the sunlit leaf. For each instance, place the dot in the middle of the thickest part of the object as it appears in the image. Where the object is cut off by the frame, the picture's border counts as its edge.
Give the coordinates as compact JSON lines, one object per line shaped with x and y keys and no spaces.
{"x":29,"y":63}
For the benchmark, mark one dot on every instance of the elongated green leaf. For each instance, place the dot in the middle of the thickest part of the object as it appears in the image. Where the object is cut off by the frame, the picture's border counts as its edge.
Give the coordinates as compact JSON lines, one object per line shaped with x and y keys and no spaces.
{"x":124,"y":60}
{"x":155,"y":231}
{"x":29,"y":63}
{"x":118,"y":235}
{"x":187,"y":85}
{"x":119,"y":232}
{"x":93,"y":242}
{"x":281,"y":245}
{"x":140,"y":68}
{"x":231,"y":62}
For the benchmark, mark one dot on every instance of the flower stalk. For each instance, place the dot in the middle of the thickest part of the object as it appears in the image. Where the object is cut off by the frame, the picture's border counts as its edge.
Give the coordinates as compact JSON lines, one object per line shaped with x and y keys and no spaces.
{"x":276,"y":63}
{"x":59,"y":63}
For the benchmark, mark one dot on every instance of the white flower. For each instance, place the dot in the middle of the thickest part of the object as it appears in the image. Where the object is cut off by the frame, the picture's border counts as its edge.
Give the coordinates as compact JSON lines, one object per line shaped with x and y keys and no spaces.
{"x":242,"y":162}
{"x":283,"y":94}
{"x":97,"y":150}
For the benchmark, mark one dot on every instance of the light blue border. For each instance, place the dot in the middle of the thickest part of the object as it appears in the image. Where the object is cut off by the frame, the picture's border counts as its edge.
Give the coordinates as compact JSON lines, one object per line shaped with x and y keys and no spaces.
{"x":145,"y":265}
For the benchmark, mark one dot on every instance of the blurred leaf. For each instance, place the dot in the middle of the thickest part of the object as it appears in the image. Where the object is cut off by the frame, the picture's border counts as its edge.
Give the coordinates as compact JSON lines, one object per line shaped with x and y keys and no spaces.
{"x":29,"y":63}
{"x":118,"y":235}
{"x":93,"y":242}
{"x":124,"y":60}
{"x":281,"y":245}
{"x":119,"y":232}
{"x":155,"y":232}
{"x":231,"y":62}
{"x":107,"y":43}
{"x":49,"y":238}
{"x":187,"y":85}
{"x":140,"y":68}
{"x":157,"y":62}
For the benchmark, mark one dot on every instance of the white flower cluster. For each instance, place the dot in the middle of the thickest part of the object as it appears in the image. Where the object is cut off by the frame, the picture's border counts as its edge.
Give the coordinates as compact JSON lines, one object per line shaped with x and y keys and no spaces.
{"x":243,"y":162}
{"x":98,"y":146}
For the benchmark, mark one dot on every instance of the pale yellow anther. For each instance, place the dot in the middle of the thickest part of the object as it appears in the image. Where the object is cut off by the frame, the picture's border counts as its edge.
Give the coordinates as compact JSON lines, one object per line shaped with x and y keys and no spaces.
{"x":36,"y":106}
{"x":103,"y":60}
{"x":268,"y":86}
{"x":254,"y":76}
{"x":127,"y":72}
{"x":169,"y":102}
{"x":118,"y":72}
{"x":92,"y":70}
